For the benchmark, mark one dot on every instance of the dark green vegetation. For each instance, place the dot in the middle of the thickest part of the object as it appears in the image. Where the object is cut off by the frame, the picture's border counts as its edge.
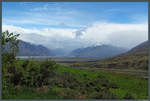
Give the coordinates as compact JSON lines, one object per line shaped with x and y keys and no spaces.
{"x":25,"y":79}
{"x":38,"y":80}
{"x":9,"y":41}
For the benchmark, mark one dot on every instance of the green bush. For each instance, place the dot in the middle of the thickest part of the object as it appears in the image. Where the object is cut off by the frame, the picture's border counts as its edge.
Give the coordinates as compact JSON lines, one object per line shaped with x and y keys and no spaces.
{"x":29,"y":73}
{"x":103,"y":94}
{"x":8,"y":58}
{"x":8,"y":68}
{"x":128,"y":96}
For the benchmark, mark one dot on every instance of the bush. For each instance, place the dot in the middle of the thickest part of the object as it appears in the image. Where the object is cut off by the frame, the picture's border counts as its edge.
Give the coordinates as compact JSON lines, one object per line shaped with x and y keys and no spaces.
{"x":103,"y":94}
{"x":8,"y":58}
{"x":29,"y":73}
{"x":8,"y":68}
{"x":128,"y":96}
{"x":47,"y":69}
{"x":39,"y":75}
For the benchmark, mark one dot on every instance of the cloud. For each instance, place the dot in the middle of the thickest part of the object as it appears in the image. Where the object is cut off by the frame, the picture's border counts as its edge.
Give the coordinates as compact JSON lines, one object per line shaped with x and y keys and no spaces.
{"x":79,"y":32}
{"x":67,"y":14}
{"x":122,"y":35}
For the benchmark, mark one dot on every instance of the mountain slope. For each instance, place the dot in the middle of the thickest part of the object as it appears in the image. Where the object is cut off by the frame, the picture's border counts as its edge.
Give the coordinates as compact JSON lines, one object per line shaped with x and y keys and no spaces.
{"x":136,"y":58}
{"x":102,"y":51}
{"x":139,"y":49}
{"x":28,"y":49}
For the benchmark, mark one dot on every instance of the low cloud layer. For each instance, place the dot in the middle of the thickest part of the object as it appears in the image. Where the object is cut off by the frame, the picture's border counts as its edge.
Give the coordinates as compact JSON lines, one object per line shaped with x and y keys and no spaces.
{"x":122,"y":35}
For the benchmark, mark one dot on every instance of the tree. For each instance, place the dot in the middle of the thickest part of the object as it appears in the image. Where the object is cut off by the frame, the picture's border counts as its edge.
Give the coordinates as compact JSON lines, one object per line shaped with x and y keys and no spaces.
{"x":11,"y":40}
{"x":8,"y":58}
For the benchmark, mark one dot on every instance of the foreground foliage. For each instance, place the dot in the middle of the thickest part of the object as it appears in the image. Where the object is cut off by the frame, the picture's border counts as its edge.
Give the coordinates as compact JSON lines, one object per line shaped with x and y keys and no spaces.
{"x":46,"y":79}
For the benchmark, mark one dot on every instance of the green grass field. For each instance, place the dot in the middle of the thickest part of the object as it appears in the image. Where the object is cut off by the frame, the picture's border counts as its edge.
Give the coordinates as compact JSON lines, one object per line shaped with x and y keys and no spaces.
{"x":74,"y":83}
{"x":136,"y":86}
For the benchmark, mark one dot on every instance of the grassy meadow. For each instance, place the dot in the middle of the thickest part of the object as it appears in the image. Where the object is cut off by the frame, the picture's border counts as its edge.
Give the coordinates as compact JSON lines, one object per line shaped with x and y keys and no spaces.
{"x":49,"y":80}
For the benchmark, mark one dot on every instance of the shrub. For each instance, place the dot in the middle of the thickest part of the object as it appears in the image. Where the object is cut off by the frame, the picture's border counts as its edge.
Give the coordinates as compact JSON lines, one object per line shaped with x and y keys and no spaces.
{"x":8,"y":68}
{"x":8,"y":58}
{"x":128,"y":96}
{"x":47,"y":69}
{"x":29,"y":73}
{"x":39,"y":75}
{"x":113,"y":85}
{"x":25,"y":63}
{"x":103,"y":94}
{"x":69,"y":94}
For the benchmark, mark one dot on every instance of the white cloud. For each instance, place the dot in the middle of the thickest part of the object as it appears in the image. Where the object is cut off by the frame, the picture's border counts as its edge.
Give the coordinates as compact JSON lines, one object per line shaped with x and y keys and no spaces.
{"x":123,"y":35}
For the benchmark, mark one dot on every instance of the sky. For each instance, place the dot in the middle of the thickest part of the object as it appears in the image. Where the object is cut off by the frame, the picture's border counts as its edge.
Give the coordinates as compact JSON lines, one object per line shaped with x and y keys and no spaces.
{"x":71,"y":25}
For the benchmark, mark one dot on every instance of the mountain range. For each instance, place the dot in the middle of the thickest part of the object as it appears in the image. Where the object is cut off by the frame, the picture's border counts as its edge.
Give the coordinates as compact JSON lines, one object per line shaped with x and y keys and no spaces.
{"x":102,"y":51}
{"x":136,"y":58}
{"x":28,"y":49}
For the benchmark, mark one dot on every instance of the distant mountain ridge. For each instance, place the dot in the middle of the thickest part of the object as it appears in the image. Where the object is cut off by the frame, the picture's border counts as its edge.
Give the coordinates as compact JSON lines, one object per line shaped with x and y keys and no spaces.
{"x":102,"y":51}
{"x":28,"y":49}
{"x":99,"y":51}
{"x":136,"y":58}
